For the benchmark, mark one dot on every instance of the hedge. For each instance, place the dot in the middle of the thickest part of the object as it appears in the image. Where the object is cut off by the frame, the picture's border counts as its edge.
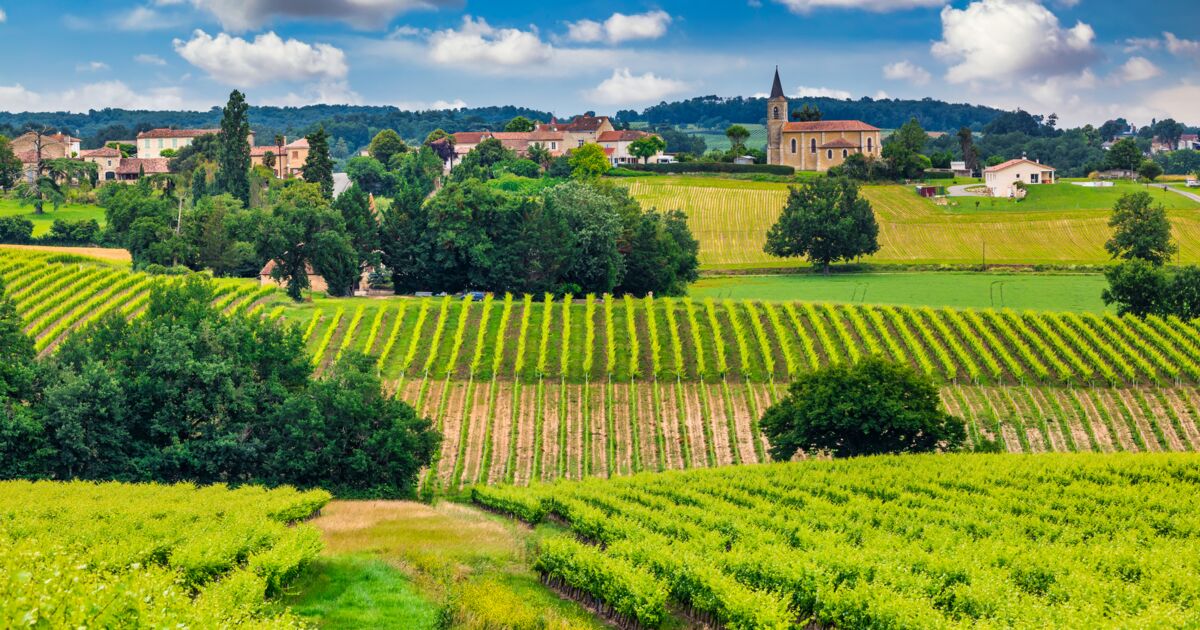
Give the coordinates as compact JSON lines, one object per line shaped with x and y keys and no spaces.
{"x":713,"y":167}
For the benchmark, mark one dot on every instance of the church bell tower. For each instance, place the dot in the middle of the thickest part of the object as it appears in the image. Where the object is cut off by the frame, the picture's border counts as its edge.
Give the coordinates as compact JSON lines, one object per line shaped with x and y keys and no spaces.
{"x":777,"y":115}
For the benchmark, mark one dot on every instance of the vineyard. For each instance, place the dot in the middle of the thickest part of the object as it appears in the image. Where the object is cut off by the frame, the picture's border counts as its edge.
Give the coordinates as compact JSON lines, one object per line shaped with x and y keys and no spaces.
{"x":112,"y":555}
{"x":1064,"y":541}
{"x":527,"y":391}
{"x":731,"y":218}
{"x":56,"y":294}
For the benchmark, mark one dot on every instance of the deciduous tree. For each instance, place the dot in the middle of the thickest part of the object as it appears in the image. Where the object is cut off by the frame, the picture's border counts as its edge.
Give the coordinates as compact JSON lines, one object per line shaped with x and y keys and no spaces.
{"x":1141,"y":230}
{"x":826,"y":221}
{"x":385,"y":144}
{"x":588,"y":161}
{"x":647,"y":147}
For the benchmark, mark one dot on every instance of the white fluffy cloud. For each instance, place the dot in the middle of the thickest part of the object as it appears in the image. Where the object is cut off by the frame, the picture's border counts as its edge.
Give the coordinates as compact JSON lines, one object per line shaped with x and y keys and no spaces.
{"x":805,"y":6}
{"x":91,"y":66}
{"x":1138,"y":69}
{"x":242,"y":15}
{"x":3,"y":16}
{"x":906,"y":71}
{"x":1003,"y":40}
{"x":626,"y":88}
{"x":621,"y":28}
{"x":1181,"y":47}
{"x":820,"y":92}
{"x":268,"y":58}
{"x":16,"y":98}
{"x":150,"y":60}
{"x":477,"y":43}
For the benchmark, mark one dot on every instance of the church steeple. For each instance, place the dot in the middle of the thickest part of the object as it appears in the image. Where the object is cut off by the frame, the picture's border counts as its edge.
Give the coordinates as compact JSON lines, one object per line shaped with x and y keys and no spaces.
{"x":777,"y":87}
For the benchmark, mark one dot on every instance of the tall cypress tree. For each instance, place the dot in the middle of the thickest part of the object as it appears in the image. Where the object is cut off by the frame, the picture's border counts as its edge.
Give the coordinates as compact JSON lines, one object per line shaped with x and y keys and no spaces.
{"x":233,"y":156}
{"x":318,"y":168}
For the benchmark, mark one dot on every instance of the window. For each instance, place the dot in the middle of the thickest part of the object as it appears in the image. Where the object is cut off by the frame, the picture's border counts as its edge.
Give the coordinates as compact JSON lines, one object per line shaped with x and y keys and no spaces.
{"x":580,"y":143}
{"x":146,"y":143}
{"x":829,"y":154}
{"x":1033,"y":179}
{"x":174,"y":142}
{"x":160,"y":143}
{"x":813,"y":144}
{"x":870,"y":144}
{"x":775,"y":113}
{"x":845,"y":153}
{"x":793,"y":145}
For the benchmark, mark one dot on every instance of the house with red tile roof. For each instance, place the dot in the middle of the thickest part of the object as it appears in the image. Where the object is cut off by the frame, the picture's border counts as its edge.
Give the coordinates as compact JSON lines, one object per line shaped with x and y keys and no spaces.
{"x":616,"y":146}
{"x":107,"y":161}
{"x":289,"y":159}
{"x":151,"y":143}
{"x":1002,"y":180}
{"x":519,"y":142}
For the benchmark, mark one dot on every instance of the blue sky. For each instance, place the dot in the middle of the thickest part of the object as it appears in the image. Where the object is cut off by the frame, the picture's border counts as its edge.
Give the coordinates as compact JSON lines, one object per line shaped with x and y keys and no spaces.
{"x":1086,"y":60}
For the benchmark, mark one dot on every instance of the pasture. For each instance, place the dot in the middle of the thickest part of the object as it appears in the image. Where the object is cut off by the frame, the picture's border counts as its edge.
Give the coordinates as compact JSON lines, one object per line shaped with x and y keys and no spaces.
{"x":42,"y":222}
{"x":731,"y":220}
{"x":1021,"y":291}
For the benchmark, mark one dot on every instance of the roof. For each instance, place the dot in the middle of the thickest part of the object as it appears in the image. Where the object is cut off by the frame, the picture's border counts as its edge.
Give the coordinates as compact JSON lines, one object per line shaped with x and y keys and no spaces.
{"x":1012,"y":163}
{"x":55,"y":137}
{"x":621,"y":136}
{"x":529,"y":136}
{"x":471,"y":137}
{"x":777,"y":86}
{"x":579,"y":124}
{"x":302,"y":143}
{"x":829,"y":125}
{"x":176,"y":133}
{"x":101,"y":152}
{"x":270,"y":266}
{"x":839,"y":143}
{"x":151,"y":166}
{"x":27,"y":157}
{"x":263,"y":150}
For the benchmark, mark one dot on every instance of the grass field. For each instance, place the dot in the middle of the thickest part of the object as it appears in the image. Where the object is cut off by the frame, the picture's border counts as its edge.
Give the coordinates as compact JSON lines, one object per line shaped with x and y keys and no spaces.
{"x":731,"y":219}
{"x":1021,"y":291}
{"x":1067,"y":196}
{"x":41,"y":223}
{"x":935,"y":541}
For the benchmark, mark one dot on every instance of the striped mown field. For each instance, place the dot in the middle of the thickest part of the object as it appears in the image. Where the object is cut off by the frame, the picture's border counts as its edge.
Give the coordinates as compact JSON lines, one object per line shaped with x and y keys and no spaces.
{"x":731,"y":218}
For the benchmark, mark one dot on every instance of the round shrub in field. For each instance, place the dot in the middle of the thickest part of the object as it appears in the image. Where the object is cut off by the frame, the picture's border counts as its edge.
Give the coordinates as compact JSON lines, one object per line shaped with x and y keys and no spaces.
{"x":868,"y":408}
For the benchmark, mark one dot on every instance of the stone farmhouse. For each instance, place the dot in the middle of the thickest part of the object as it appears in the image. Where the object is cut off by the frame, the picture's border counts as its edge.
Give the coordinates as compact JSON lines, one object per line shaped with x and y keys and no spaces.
{"x":53,"y":147}
{"x":150,"y":144}
{"x":817,"y":145}
{"x":289,"y":159}
{"x":1001,"y":180}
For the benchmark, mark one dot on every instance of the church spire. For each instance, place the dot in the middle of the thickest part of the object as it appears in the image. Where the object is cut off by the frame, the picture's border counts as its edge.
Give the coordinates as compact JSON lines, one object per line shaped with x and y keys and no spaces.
{"x":777,"y":87}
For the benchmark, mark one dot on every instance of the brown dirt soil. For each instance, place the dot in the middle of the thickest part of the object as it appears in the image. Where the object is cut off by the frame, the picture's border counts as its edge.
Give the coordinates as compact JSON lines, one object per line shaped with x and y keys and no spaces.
{"x":501,"y":432}
{"x":481,"y":415}
{"x":694,"y":421}
{"x":102,"y":253}
{"x":665,"y":423}
{"x":433,"y":399}
{"x":526,"y":419}
{"x":574,"y":419}
{"x":1176,"y":399}
{"x":1076,"y":423}
{"x":1012,"y":443}
{"x":719,"y":417}
{"x":764,"y":396}
{"x":972,"y":413}
{"x":1117,"y":410}
{"x":1043,"y":410}
{"x":1143,"y":423}
{"x":550,"y":420}
{"x":1174,"y":440}
{"x":1093,"y":402}
{"x":737,"y":411}
{"x":451,"y":422}
{"x":1016,"y":406}
{"x":598,"y":429}
{"x":621,"y":437}
{"x":646,"y":413}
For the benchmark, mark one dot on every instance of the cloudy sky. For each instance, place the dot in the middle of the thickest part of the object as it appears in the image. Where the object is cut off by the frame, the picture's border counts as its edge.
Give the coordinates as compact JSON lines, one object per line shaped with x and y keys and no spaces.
{"x":1086,"y":60}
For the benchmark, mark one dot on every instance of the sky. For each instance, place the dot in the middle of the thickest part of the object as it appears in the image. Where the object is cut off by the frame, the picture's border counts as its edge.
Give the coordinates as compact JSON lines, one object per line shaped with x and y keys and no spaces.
{"x":1086,"y":60}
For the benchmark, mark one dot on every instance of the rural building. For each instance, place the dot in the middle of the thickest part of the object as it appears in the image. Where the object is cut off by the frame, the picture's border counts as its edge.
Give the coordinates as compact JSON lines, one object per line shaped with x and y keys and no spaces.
{"x":150,"y":144}
{"x":816,"y":145}
{"x":131,"y":169}
{"x":581,"y":130}
{"x":616,"y":146}
{"x":54,"y":146}
{"x":960,"y":169}
{"x":315,"y":281}
{"x":107,"y":161}
{"x":289,"y":159}
{"x":1001,"y":180}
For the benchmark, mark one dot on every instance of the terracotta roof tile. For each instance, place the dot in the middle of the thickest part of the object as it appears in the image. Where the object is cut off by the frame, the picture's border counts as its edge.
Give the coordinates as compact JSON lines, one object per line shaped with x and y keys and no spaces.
{"x":176,"y":133}
{"x":152,"y":166}
{"x":101,"y":152}
{"x":829,"y":125}
{"x":1011,"y":163}
{"x":839,"y":143}
{"x":627,"y":135}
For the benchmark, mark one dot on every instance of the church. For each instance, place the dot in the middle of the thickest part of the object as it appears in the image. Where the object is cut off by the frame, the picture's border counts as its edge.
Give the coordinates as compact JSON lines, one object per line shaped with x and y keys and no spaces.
{"x":814,"y":145}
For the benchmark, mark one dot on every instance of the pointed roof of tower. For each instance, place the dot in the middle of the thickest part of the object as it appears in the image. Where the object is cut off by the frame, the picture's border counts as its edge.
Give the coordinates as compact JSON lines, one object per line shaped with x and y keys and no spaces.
{"x":777,"y":87}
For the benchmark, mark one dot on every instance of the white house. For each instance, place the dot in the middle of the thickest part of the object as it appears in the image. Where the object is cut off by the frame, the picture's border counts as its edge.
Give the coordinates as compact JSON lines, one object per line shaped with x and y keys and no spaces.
{"x":1001,"y":180}
{"x":150,"y":144}
{"x":616,"y":147}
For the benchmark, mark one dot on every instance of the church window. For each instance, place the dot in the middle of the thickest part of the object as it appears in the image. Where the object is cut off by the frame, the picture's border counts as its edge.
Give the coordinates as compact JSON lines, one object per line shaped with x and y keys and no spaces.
{"x":845,"y":153}
{"x":793,"y":145}
{"x":813,"y":144}
{"x":775,"y":112}
{"x":870,"y":144}
{"x":829,"y":154}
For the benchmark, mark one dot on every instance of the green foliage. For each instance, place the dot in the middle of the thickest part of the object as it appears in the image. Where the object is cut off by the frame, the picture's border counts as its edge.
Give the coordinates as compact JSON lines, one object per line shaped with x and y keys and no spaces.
{"x":869,"y":408}
{"x":318,"y":167}
{"x":647,"y":147}
{"x":807,"y":113}
{"x":826,"y":221}
{"x":233,"y":157}
{"x":480,"y":163}
{"x":292,"y":239}
{"x":589,"y":161}
{"x":714,"y":167}
{"x":370,"y":175}
{"x":1150,"y":170}
{"x":385,"y":144}
{"x":539,"y":154}
{"x":18,"y":230}
{"x":10,"y":164}
{"x":1124,"y":155}
{"x":1140,"y":230}
{"x":903,"y":150}
{"x":520,"y":124}
{"x":529,"y":169}
{"x":361,"y":225}
{"x":737,"y":135}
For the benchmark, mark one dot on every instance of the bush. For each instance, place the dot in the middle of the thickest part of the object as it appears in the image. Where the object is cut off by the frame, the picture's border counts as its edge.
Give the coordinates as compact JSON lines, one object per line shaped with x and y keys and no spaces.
{"x":713,"y":167}
{"x":869,"y":408}
{"x":520,"y":168}
{"x":81,"y":232}
{"x":16,"y":230}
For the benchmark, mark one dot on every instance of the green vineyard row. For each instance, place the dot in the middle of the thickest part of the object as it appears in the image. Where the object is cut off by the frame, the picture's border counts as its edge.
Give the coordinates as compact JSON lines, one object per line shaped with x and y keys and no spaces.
{"x":601,"y":338}
{"x":967,"y":541}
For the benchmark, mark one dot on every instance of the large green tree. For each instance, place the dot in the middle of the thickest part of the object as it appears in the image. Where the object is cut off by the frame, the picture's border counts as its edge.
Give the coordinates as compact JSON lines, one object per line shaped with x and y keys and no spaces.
{"x":233,"y":154}
{"x":10,"y":165}
{"x":293,"y":239}
{"x":481,"y":161}
{"x":1124,"y":155}
{"x":24,"y":450}
{"x":589,"y":161}
{"x":903,"y":150}
{"x":1141,"y":230}
{"x":825,"y":220}
{"x":595,"y":226}
{"x":868,"y":408}
{"x":647,"y":147}
{"x":386,"y":144}
{"x":361,"y":225}
{"x":520,"y":124}
{"x":738,"y":135}
{"x":318,"y":167}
